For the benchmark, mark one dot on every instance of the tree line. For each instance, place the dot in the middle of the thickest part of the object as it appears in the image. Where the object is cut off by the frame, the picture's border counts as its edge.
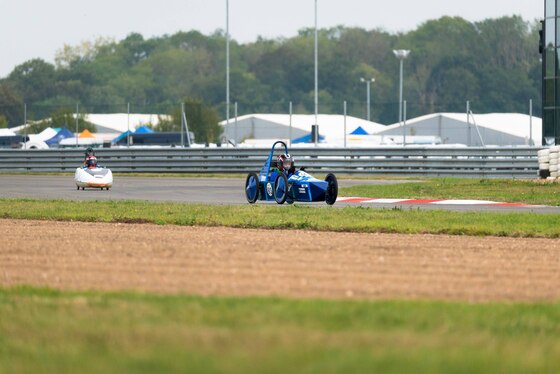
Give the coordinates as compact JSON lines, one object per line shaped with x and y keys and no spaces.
{"x":495,"y":64}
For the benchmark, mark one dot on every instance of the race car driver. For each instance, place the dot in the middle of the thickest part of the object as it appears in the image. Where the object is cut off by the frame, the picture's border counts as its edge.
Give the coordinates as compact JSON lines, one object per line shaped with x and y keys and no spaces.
{"x":285,"y":163}
{"x":88,"y":155}
{"x":91,"y":162}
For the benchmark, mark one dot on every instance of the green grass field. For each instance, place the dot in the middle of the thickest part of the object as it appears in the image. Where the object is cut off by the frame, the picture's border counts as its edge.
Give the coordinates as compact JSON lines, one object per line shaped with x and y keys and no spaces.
{"x":351,"y":219}
{"x":67,"y":332}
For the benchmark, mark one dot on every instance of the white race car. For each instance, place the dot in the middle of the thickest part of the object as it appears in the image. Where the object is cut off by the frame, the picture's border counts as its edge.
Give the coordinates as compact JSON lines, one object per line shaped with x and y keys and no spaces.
{"x":97,"y":177}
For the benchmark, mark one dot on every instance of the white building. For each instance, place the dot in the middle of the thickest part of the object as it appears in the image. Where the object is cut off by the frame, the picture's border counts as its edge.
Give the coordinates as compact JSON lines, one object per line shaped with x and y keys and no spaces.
{"x":501,"y":129}
{"x":255,"y":128}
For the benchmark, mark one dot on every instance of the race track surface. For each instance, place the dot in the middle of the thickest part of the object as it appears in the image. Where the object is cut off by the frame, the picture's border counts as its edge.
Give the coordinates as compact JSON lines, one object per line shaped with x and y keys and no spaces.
{"x":192,"y":190}
{"x":199,"y":260}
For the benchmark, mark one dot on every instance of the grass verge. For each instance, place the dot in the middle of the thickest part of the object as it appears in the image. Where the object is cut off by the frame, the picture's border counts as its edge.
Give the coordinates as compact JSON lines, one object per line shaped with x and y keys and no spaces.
{"x":44,"y":330}
{"x":350,"y":219}
{"x":504,"y":190}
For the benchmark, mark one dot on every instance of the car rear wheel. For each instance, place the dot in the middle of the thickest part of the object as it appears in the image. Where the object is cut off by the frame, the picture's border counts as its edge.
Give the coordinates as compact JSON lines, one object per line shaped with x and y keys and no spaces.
{"x":252,"y":187}
{"x":332,"y":189}
{"x":280,"y":188}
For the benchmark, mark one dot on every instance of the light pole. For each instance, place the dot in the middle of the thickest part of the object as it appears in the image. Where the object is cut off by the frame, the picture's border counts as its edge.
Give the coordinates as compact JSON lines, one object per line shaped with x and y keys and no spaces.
{"x":316,"y":78}
{"x":227,"y":65}
{"x":368,"y":90}
{"x":401,"y":54}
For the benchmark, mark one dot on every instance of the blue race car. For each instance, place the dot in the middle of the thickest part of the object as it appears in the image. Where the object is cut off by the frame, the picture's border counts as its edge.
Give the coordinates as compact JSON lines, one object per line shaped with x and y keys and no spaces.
{"x":279,"y":181}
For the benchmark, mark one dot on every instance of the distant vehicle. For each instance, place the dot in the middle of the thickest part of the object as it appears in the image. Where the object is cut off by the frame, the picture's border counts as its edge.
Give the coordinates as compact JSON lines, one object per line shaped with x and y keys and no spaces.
{"x":81,"y":142}
{"x":285,"y":185}
{"x":91,"y":175}
{"x":156,"y":138}
{"x":13,"y":141}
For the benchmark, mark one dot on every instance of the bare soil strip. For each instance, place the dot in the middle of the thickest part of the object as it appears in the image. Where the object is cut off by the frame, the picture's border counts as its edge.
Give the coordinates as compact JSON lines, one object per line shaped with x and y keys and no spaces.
{"x":227,"y":261}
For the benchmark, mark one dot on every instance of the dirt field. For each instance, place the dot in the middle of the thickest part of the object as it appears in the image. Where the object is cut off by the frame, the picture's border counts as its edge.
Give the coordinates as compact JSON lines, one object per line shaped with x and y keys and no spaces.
{"x":225,"y":261}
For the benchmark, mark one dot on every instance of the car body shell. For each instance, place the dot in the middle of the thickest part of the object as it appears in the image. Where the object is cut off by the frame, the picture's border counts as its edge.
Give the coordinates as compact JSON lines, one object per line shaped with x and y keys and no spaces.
{"x":98,"y":177}
{"x":301,"y":187}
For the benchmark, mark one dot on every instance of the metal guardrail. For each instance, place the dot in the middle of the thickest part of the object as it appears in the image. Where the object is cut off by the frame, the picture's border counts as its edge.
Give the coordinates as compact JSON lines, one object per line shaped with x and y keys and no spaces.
{"x":490,"y":162}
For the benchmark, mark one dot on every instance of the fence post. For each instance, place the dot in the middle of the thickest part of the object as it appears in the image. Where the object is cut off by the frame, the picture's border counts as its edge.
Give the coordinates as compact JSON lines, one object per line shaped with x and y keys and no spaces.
{"x":77,"y":115}
{"x":531,"y":142}
{"x":404,"y":123}
{"x":468,"y":124}
{"x":345,"y":115}
{"x":290,"y":132}
{"x":24,"y":125}
{"x":235,"y":108}
{"x":182,"y":124}
{"x":128,"y":124}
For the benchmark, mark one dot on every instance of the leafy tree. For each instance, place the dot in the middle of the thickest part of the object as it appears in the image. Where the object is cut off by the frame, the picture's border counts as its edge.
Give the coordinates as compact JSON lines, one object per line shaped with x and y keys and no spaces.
{"x":135,"y":49}
{"x":202,"y":120}
{"x":434,"y":42}
{"x":70,"y":56}
{"x":33,"y":80}
{"x":11,"y":105}
{"x":507,"y":42}
{"x":169,"y":123}
{"x":451,"y":83}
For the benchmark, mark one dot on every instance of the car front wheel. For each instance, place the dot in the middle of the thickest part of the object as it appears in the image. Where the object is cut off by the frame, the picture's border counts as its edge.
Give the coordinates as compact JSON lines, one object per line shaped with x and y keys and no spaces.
{"x":252,"y":188}
{"x":280,"y":188}
{"x":332,"y":189}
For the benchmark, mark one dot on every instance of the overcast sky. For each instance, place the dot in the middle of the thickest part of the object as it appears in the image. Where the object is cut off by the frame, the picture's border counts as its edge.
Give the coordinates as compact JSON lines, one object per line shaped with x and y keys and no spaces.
{"x":38,"y":28}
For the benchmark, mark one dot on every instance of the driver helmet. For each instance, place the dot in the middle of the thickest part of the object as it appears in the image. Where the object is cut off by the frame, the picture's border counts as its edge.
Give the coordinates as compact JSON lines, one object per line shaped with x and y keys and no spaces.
{"x":285,"y":161}
{"x":89,"y":152}
{"x":91,"y":162}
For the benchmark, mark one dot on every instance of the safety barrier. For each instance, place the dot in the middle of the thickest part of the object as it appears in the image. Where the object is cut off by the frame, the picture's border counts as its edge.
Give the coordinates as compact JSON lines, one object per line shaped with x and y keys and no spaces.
{"x":490,"y":162}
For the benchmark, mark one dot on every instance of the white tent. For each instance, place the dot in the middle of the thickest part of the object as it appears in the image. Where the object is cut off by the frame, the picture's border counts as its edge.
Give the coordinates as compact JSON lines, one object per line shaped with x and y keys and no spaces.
{"x":502,"y":129}
{"x":37,"y":141}
{"x":255,"y":127}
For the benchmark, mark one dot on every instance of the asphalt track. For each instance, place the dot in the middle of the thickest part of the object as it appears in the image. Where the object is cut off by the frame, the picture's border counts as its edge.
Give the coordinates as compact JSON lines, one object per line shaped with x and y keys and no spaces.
{"x":227,"y":191}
